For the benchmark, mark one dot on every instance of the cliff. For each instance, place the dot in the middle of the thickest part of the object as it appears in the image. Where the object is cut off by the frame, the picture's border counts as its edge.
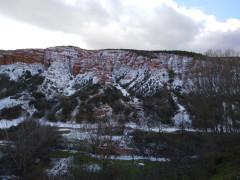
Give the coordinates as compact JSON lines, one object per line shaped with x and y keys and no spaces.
{"x":107,"y":65}
{"x":174,"y":87}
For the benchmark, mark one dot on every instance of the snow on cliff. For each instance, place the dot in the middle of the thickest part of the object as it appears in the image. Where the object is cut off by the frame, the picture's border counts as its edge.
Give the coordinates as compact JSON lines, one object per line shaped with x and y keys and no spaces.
{"x":68,"y":68}
{"x":15,"y":71}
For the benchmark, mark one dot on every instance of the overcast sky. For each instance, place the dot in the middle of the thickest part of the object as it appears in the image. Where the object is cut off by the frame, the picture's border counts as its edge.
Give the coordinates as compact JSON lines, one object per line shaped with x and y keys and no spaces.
{"x":137,"y":24}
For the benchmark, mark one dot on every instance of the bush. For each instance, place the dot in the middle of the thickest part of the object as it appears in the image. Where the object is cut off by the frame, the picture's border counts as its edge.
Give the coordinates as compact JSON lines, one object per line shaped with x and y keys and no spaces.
{"x":39,"y":114}
{"x":27,"y":74}
{"x":4,"y":81}
{"x":38,"y":95}
{"x":14,"y":87}
{"x":32,"y":82}
{"x":51,"y":117}
{"x":112,"y":94}
{"x":161,"y":106}
{"x":32,"y":141}
{"x":41,"y":104}
{"x":8,"y":87}
{"x":68,"y":104}
{"x":11,"y":113}
{"x":171,"y":74}
{"x":86,"y":112}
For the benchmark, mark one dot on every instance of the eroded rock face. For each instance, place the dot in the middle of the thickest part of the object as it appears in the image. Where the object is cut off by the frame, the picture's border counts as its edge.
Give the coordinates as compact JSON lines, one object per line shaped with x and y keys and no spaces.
{"x":136,"y":74}
{"x":26,"y":56}
{"x":141,"y":72}
{"x":82,"y":61}
{"x":137,"y":71}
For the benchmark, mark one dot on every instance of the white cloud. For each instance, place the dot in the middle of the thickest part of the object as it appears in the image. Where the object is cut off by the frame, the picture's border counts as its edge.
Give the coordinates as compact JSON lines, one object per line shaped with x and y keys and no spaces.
{"x":15,"y":35}
{"x":138,"y":24}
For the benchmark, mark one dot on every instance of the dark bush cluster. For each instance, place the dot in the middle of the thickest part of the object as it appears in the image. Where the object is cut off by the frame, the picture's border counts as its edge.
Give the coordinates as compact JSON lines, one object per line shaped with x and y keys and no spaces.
{"x":160,"y":107}
{"x":33,"y":142}
{"x":12,"y":88}
{"x":11,"y":113}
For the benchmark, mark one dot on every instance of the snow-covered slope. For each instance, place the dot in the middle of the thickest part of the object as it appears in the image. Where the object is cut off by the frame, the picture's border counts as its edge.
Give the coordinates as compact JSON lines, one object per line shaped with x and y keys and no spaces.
{"x":16,"y":70}
{"x":138,"y":71}
{"x":137,"y":75}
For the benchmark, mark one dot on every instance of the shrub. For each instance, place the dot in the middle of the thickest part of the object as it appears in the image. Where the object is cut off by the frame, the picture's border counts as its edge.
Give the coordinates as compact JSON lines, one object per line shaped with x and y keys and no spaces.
{"x":112,"y":94}
{"x":38,"y":95}
{"x":118,"y":107}
{"x":8,"y":87}
{"x":32,"y":141}
{"x":11,"y":113}
{"x":41,"y":104}
{"x":68,"y":105}
{"x":86,"y":112}
{"x":15,"y":87}
{"x":39,"y":114}
{"x":171,"y":74}
{"x":32,"y":82}
{"x":4,"y":81}
{"x":27,"y":74}
{"x":51,"y":116}
{"x":160,"y":107}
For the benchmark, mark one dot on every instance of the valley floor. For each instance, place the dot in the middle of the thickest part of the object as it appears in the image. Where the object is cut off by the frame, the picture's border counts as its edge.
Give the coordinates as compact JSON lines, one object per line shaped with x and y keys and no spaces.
{"x":86,"y":151}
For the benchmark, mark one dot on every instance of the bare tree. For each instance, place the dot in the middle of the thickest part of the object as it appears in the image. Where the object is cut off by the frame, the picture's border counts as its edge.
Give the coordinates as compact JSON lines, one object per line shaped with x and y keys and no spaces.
{"x":32,"y":141}
{"x":222,"y":53}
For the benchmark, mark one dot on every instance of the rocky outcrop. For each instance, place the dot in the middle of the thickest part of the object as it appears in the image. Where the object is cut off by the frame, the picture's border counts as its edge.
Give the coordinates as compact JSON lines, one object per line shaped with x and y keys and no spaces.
{"x":102,"y":62}
{"x":141,"y":72}
{"x":29,"y":56}
{"x":175,"y":82}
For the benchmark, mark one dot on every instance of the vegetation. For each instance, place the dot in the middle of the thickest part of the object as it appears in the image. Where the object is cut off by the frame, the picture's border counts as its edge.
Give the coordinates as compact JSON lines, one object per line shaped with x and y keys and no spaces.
{"x":211,"y":153}
{"x":214,"y":112}
{"x":222,"y":53}
{"x":214,"y":99}
{"x":12,"y":88}
{"x":11,"y":113}
{"x":152,"y":54}
{"x":30,"y":154}
{"x":171,"y":75}
{"x":108,"y":169}
{"x":193,"y":156}
{"x":82,"y":105}
{"x":160,"y":107}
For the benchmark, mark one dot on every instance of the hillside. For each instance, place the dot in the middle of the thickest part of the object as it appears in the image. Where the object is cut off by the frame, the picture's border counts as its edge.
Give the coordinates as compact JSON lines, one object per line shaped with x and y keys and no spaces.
{"x":67,"y":112}
{"x":172,"y":88}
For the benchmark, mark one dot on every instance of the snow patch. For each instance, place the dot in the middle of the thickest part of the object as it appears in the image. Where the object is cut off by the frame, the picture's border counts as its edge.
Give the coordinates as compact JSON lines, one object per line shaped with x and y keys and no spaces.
{"x":57,"y":78}
{"x":181,"y":118}
{"x":5,"y":124}
{"x":124,"y":91}
{"x":130,"y":158}
{"x":60,"y":167}
{"x":93,"y":167}
{"x":164,"y":129}
{"x":9,"y":102}
{"x":16,"y":70}
{"x":71,"y":125}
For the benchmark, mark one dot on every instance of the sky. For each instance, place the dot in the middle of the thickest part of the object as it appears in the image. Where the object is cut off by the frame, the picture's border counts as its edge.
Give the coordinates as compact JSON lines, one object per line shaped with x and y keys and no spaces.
{"x":192,"y":25}
{"x":222,"y":9}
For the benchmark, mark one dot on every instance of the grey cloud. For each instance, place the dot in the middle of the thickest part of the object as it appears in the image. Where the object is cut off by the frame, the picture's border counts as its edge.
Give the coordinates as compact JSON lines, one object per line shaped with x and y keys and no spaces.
{"x":112,"y":24}
{"x":54,"y":14}
{"x":171,"y":28}
{"x":163,"y":28}
{"x":218,"y":40}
